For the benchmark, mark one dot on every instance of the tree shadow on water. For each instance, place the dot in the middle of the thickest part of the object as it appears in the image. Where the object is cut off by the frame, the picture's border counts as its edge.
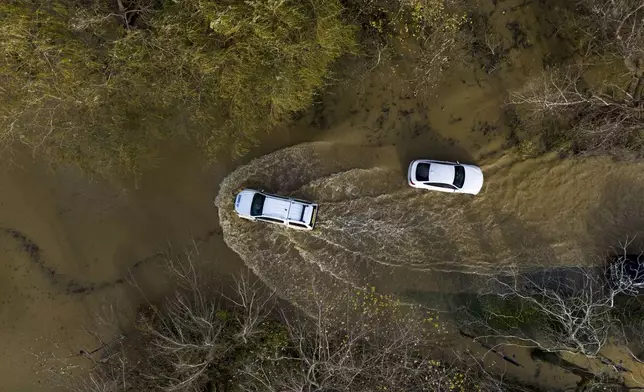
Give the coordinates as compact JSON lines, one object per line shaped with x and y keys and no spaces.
{"x":617,"y":218}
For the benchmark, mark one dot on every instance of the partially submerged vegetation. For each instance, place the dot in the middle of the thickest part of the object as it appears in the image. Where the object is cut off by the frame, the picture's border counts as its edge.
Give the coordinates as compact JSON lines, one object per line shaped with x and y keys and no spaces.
{"x":246,"y":340}
{"x":593,"y":101}
{"x":99,"y":84}
{"x":423,"y":35}
{"x":242,"y":337}
{"x":578,"y":312}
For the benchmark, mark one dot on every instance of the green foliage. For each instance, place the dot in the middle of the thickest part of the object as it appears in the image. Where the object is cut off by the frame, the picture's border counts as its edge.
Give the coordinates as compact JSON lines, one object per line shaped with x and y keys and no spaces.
{"x":222,"y":315}
{"x":555,"y":136}
{"x":423,"y":33}
{"x":275,"y":337}
{"x":61,"y":98}
{"x":387,"y":309}
{"x":257,"y":62}
{"x":528,"y":148}
{"x":96,"y":87}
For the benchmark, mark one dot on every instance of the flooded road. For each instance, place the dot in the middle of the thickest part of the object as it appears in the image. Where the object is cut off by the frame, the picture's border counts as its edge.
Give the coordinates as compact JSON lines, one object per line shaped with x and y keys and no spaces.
{"x":70,"y":244}
{"x":373,"y":229}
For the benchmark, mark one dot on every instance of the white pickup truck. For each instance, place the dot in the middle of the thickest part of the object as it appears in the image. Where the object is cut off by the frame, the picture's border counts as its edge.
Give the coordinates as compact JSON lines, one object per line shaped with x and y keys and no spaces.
{"x":259,"y":206}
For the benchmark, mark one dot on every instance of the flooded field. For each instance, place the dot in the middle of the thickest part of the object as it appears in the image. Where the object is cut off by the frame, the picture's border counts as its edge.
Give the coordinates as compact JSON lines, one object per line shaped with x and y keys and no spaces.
{"x":70,"y":244}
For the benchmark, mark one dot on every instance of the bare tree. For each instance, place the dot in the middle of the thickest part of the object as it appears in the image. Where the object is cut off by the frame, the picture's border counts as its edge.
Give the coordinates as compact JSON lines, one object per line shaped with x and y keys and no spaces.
{"x":255,"y":303}
{"x":603,"y":113}
{"x":187,"y":342}
{"x":577,"y":306}
{"x":200,"y":340}
{"x":601,"y":117}
{"x":356,"y":354}
{"x":626,"y":272}
{"x":552,"y":91}
{"x":320,"y":358}
{"x":570,"y":309}
{"x":613,"y":27}
{"x":187,"y":338}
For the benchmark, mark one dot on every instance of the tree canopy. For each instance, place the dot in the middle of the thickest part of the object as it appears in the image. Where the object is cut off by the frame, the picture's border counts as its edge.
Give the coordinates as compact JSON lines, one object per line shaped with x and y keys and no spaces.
{"x":97,"y":84}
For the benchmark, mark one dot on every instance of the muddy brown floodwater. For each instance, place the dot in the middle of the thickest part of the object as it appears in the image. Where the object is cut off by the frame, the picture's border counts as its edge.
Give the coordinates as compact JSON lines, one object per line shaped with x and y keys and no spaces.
{"x":69,"y":243}
{"x":374,"y":231}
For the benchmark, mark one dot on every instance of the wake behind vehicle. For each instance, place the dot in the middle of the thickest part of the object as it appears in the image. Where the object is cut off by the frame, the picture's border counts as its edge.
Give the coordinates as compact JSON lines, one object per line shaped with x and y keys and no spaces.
{"x":445,"y":176}
{"x":264,"y":207}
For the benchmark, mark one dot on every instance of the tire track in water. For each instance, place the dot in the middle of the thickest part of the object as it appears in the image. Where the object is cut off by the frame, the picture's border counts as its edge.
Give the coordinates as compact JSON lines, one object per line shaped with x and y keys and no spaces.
{"x":73,"y":286}
{"x":372,"y":229}
{"x":364,"y":235}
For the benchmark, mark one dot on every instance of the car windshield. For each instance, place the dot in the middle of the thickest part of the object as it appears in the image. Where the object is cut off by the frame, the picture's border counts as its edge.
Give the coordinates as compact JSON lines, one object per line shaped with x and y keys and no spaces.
{"x":459,"y":176}
{"x":257,"y":205}
{"x":422,"y":172}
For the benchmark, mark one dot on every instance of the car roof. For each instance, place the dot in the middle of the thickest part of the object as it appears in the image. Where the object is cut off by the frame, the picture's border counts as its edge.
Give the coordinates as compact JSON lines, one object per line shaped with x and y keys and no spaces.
{"x":440,"y":172}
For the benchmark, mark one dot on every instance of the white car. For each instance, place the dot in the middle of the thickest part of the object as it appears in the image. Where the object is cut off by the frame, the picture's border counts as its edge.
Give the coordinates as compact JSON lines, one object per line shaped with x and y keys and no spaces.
{"x":445,"y":176}
{"x":264,"y":207}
